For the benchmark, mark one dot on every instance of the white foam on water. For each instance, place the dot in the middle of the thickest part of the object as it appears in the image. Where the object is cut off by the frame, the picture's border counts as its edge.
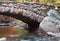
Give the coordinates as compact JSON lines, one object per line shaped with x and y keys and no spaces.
{"x":3,"y":39}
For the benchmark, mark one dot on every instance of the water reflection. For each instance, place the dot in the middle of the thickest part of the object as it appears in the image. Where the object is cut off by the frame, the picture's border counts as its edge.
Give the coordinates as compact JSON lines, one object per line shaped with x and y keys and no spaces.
{"x":30,"y":37}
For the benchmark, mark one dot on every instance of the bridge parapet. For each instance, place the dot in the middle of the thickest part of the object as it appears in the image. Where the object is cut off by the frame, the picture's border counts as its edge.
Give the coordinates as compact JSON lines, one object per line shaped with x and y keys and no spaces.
{"x":27,"y":9}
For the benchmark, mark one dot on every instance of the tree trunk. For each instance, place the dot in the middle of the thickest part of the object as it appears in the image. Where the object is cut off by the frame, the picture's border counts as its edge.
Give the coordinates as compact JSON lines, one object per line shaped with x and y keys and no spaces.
{"x":37,"y":0}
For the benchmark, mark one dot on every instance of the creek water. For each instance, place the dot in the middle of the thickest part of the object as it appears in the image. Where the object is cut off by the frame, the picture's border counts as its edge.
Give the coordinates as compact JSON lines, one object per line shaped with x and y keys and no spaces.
{"x":30,"y":37}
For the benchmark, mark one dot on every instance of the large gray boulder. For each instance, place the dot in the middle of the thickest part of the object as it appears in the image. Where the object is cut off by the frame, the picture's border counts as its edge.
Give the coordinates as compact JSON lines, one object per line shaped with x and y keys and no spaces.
{"x":51,"y":23}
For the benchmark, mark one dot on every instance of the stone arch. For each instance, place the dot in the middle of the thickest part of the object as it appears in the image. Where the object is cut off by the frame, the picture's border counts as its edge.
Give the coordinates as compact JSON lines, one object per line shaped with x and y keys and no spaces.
{"x":29,"y":17}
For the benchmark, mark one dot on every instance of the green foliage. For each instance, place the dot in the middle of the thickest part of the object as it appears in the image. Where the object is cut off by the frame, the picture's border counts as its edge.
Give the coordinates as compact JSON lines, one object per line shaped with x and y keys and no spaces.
{"x":19,"y":22}
{"x":20,"y":32}
{"x":50,"y":1}
{"x":58,"y":4}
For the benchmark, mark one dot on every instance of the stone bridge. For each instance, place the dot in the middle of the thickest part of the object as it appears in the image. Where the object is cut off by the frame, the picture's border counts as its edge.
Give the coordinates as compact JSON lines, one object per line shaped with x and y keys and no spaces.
{"x":30,"y":13}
